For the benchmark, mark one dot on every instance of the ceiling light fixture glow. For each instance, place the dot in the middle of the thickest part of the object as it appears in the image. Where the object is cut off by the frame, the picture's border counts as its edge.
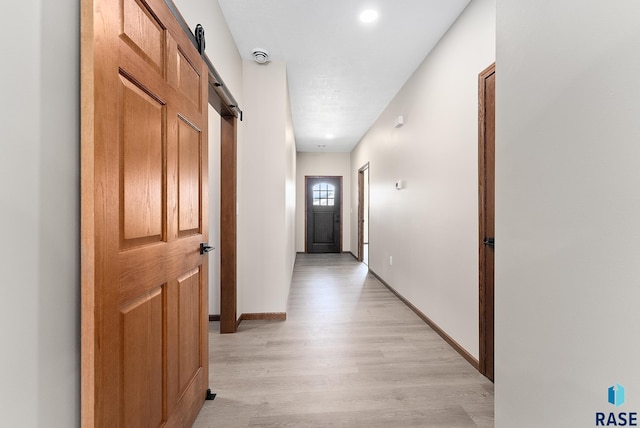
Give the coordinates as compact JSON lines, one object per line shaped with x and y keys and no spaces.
{"x":329,"y":136}
{"x":369,"y":16}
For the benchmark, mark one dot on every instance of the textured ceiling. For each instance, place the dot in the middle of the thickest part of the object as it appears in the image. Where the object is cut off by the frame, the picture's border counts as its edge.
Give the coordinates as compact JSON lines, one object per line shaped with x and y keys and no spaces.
{"x":342,"y":73}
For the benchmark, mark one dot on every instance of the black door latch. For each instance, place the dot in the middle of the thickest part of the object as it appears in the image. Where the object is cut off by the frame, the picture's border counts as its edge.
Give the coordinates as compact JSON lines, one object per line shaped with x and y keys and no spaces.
{"x":205,"y":248}
{"x":489,"y":242}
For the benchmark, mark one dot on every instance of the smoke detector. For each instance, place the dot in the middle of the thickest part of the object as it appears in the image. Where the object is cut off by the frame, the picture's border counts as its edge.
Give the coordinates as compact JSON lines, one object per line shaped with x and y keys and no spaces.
{"x":261,"y":56}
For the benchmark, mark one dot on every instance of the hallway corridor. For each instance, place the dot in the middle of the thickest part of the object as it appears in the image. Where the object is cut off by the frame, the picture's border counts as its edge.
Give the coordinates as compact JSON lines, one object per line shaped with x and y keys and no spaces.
{"x":350,"y":354}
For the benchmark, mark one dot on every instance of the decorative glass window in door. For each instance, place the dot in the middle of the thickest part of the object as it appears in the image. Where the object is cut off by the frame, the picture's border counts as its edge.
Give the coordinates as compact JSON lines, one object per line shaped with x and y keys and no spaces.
{"x":324,"y":194}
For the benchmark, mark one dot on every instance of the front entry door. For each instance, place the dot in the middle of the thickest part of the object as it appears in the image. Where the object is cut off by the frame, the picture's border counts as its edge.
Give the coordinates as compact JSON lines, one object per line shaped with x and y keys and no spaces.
{"x":324,"y":207}
{"x":144,"y":216}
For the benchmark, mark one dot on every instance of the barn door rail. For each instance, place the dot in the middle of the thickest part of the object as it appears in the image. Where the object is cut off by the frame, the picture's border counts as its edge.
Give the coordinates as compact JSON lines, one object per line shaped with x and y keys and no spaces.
{"x":215,"y":81}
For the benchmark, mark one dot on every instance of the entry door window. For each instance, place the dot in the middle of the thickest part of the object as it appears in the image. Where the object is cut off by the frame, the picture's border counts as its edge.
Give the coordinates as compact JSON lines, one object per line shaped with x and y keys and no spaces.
{"x":324,"y":194}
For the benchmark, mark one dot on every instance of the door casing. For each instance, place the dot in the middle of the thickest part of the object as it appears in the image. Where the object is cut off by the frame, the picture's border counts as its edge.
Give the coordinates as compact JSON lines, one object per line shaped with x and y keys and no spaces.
{"x":361,"y":211}
{"x":486,"y":202}
{"x":228,"y":223}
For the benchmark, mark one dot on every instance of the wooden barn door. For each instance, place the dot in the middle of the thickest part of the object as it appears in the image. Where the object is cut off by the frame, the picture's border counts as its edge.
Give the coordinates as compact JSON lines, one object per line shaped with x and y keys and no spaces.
{"x":144,"y":216}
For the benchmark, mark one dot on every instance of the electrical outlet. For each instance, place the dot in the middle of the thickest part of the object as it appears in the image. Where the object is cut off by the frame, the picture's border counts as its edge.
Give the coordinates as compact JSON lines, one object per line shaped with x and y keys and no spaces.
{"x":390,"y":260}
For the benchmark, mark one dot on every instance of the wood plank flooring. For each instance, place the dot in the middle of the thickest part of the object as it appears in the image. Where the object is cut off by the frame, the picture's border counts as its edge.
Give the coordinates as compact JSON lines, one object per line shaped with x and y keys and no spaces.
{"x":350,"y":354}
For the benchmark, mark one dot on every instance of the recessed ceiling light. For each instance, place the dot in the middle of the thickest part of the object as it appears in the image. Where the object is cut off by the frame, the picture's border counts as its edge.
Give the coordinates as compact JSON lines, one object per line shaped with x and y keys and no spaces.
{"x":329,"y":136}
{"x":369,"y":15}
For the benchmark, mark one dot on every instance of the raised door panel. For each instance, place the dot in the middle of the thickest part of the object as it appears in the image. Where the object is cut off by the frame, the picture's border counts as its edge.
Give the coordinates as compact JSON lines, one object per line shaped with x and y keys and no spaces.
{"x":323,"y":227}
{"x":144,"y":33}
{"x":142,"y":362}
{"x":142,"y":168}
{"x":189,"y":331}
{"x":189,"y":80}
{"x":189,"y":177}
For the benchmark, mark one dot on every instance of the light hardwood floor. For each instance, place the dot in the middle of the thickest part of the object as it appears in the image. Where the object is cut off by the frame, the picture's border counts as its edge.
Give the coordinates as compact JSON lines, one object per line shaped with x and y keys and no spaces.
{"x":350,"y":354}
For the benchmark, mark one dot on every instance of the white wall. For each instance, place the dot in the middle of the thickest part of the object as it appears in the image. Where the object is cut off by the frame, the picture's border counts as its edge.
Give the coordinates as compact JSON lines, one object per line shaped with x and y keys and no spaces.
{"x":430,"y":228}
{"x":290,"y":195}
{"x":337,"y":164}
{"x":214,"y":211}
{"x":39,"y":182}
{"x":265,"y":221}
{"x":567,"y":210}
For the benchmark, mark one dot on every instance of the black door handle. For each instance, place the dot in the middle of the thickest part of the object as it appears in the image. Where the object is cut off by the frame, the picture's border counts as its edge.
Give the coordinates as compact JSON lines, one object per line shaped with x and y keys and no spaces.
{"x":205,"y":248}
{"x":489,"y":242}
